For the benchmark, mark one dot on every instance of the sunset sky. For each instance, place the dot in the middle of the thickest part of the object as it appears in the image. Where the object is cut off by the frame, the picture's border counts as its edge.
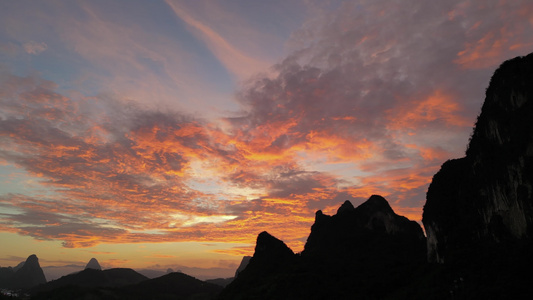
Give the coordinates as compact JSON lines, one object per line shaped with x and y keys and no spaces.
{"x":168,"y":134}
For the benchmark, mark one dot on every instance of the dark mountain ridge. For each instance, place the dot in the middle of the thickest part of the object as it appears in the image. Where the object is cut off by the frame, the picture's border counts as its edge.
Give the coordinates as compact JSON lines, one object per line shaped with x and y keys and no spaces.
{"x":94,"y":278}
{"x":111,"y":285}
{"x":353,"y":229}
{"x":344,"y":256}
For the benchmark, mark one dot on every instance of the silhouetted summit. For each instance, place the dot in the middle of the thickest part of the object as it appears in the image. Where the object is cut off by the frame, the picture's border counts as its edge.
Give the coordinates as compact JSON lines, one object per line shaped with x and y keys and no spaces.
{"x":93,"y":264}
{"x":360,"y":229}
{"x":270,"y":249}
{"x":345,"y":207}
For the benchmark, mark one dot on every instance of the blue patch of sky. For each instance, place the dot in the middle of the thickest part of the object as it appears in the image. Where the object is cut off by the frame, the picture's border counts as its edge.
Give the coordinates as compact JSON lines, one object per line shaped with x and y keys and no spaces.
{"x":158,"y":17}
{"x":14,"y":180}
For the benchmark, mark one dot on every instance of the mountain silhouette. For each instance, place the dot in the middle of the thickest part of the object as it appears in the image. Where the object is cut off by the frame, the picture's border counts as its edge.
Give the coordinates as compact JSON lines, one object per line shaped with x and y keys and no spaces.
{"x":174,"y":285}
{"x":345,"y":256}
{"x":94,"y":278}
{"x":93,"y":264}
{"x":25,"y":275}
{"x":361,"y":229}
{"x":96,"y":284}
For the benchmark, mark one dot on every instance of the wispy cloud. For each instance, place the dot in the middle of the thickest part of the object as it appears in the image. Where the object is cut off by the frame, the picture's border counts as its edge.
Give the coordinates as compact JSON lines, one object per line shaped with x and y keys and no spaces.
{"x":237,"y":62}
{"x":34,"y":48}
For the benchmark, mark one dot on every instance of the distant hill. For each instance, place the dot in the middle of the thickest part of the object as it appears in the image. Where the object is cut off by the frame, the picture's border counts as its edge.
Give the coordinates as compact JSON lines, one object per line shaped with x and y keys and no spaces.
{"x":223,"y":282}
{"x":173,"y":286}
{"x":93,"y":264}
{"x":151,"y":273}
{"x":170,"y":286}
{"x":94,"y":278}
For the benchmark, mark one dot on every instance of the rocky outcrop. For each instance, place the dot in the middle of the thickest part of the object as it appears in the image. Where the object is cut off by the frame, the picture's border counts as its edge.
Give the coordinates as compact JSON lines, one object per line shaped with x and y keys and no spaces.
{"x":93,"y":264}
{"x":484,"y":201}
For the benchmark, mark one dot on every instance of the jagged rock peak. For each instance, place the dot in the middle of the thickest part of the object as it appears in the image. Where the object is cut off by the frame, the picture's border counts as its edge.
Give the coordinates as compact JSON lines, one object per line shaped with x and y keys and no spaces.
{"x":93,"y":264}
{"x":346,"y":206}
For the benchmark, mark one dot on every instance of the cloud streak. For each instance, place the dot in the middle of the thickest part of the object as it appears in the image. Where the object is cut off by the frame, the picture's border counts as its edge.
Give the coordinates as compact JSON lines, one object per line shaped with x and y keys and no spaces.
{"x":234,"y":60}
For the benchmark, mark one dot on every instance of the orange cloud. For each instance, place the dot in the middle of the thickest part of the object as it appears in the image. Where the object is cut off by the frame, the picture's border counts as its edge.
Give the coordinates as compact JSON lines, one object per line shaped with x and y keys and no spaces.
{"x":161,"y":256}
{"x":438,"y":107}
{"x":490,"y":47}
{"x":237,"y":251}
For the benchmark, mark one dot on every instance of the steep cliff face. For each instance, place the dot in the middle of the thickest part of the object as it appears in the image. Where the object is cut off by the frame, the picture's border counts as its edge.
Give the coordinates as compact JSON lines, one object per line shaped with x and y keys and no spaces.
{"x":485,"y":199}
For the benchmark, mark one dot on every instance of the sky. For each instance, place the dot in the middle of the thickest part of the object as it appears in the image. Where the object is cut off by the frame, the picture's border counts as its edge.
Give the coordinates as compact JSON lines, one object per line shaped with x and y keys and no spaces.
{"x":169,"y":134}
